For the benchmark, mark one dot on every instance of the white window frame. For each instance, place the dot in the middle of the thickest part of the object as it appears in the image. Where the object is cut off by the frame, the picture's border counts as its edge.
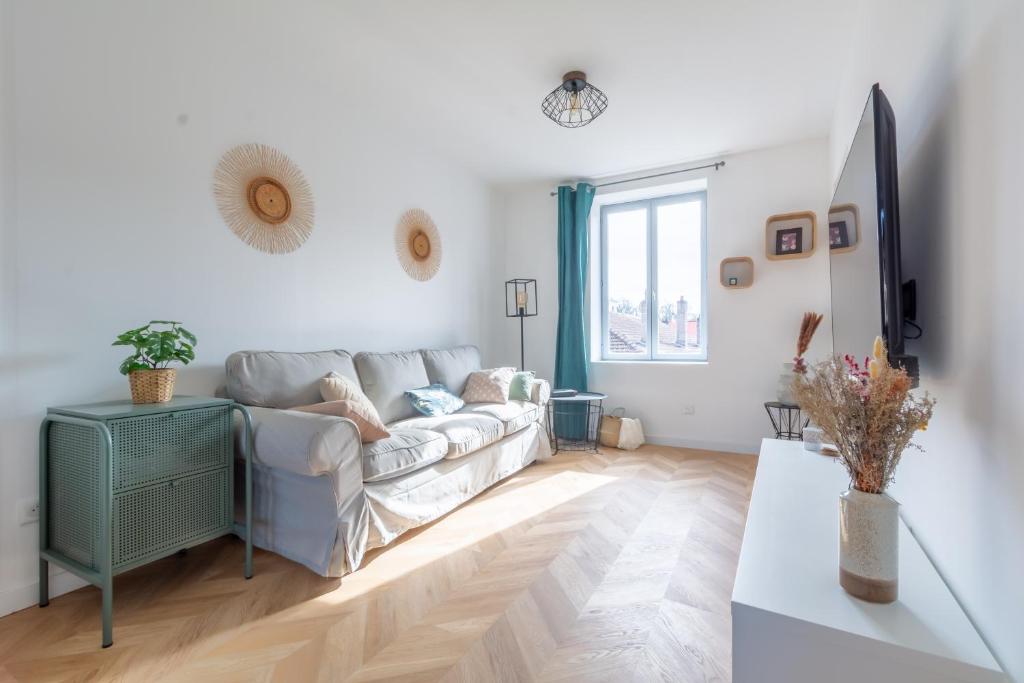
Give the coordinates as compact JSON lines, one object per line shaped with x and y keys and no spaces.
{"x":650,"y":296}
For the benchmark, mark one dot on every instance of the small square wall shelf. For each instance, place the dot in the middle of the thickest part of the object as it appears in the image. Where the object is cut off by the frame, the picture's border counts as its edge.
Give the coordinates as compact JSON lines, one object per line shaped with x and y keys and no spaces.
{"x":790,"y":235}
{"x":737,"y":272}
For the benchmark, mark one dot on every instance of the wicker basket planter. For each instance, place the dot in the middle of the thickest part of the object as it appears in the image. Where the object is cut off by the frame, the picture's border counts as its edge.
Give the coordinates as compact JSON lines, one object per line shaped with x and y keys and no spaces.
{"x":152,"y":386}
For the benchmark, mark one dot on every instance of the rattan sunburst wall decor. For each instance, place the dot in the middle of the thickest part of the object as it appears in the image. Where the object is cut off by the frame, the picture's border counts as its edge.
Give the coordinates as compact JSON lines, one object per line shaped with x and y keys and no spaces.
{"x":264,"y":198}
{"x":418,"y":244}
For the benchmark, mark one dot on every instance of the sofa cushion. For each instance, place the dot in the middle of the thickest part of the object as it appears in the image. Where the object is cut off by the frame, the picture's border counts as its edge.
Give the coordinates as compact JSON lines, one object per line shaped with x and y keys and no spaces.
{"x":405,"y":451}
{"x":521,"y":388}
{"x":434,"y":400}
{"x":360,"y":412}
{"x":488,"y":386}
{"x":387,"y":376}
{"x":514,"y":415}
{"x":451,"y":367}
{"x":335,"y":387}
{"x":279,"y":379}
{"x":465,"y":432}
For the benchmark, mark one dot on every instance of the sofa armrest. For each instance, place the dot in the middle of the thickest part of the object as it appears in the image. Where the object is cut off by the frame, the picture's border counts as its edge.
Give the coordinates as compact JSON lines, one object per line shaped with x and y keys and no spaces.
{"x":540,"y":392}
{"x":304,"y":443}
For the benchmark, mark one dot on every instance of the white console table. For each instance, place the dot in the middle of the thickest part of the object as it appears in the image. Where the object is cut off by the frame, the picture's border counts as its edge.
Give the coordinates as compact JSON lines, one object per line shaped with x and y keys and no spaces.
{"x":792,"y":623}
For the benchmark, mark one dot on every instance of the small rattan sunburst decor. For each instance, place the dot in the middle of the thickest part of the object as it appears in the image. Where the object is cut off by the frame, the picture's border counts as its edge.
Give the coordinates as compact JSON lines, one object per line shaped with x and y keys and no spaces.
{"x":418,"y":244}
{"x":264,"y":198}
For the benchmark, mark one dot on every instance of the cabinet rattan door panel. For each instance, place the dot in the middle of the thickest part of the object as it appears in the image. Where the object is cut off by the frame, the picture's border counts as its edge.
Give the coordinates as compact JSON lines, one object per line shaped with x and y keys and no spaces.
{"x":170,"y":515}
{"x":155,"y":448}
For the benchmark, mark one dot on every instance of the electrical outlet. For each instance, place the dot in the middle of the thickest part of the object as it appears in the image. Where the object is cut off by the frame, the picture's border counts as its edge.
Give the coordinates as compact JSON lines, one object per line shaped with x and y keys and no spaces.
{"x":28,"y":511}
{"x":689,"y":410}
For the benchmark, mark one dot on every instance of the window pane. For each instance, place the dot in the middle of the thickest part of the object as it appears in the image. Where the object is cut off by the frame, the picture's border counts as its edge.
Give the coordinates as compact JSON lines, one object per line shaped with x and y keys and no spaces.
{"x":626,"y":285}
{"x":680,"y":282}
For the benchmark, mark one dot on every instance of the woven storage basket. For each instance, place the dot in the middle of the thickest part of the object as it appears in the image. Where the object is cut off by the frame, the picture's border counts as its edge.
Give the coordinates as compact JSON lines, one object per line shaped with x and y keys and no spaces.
{"x":611,"y":425}
{"x":152,"y":386}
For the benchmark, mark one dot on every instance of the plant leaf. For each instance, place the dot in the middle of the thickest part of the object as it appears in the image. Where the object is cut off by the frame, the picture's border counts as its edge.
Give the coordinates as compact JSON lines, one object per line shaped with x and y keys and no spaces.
{"x":132,"y":363}
{"x":156,"y":348}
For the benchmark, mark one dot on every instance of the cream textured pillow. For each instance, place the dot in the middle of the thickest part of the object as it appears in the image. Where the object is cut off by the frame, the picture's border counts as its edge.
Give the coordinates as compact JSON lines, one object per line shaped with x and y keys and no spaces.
{"x":335,"y":387}
{"x":488,"y":386}
{"x":370,"y":426}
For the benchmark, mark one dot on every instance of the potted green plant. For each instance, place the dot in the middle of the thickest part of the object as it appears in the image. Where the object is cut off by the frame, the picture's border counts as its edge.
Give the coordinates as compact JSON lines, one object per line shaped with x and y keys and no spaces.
{"x":157,"y":344}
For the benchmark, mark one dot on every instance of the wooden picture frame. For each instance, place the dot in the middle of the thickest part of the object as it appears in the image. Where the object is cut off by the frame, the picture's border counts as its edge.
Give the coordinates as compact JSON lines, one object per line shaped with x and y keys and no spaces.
{"x":738,"y":268}
{"x":849,"y":215}
{"x":790,"y":235}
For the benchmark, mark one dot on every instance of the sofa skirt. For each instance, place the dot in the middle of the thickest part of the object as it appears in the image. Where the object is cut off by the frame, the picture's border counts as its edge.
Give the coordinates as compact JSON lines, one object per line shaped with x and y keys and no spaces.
{"x":328,"y":525}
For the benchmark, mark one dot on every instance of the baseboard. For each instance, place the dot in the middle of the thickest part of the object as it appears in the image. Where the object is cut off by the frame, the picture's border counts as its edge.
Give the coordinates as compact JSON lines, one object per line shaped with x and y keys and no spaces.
{"x":725,"y":446}
{"x":18,"y":598}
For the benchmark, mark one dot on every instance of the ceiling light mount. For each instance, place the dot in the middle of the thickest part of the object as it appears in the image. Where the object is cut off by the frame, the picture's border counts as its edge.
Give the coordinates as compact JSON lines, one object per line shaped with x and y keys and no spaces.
{"x":574,"y":81}
{"x":575,"y":103}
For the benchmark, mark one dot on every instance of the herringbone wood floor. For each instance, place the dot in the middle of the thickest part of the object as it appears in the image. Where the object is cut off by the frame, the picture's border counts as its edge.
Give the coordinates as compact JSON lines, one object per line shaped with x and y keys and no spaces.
{"x":610,"y":567}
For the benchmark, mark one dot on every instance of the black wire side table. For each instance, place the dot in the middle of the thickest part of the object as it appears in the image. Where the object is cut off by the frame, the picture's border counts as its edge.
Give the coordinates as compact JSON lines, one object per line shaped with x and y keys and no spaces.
{"x":787,"y":420}
{"x":574,"y":422}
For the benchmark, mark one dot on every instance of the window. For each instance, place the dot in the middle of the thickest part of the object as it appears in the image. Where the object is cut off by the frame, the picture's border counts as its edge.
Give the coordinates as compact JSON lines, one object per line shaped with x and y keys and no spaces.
{"x":653,"y":279}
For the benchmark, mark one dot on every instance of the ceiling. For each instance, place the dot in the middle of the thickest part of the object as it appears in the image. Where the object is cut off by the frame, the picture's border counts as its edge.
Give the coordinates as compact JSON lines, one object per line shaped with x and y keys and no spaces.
{"x":685,"y":79}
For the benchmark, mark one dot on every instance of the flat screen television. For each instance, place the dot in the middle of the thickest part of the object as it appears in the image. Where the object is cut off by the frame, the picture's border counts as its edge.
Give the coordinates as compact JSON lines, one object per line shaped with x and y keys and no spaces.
{"x":869,"y":297}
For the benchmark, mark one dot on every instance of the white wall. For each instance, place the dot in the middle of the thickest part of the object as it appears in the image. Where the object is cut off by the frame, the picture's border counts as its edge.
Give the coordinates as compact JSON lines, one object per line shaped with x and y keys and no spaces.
{"x":751,"y":331}
{"x":952,"y":72}
{"x":121,"y":112}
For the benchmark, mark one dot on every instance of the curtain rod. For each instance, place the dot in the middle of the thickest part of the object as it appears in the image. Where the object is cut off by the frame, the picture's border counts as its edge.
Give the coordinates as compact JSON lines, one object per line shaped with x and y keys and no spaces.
{"x":658,"y":175}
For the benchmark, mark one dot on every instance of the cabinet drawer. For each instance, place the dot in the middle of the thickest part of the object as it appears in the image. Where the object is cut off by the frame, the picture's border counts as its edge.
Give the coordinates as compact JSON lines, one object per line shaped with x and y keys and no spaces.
{"x":154,"y":448}
{"x":169,"y":515}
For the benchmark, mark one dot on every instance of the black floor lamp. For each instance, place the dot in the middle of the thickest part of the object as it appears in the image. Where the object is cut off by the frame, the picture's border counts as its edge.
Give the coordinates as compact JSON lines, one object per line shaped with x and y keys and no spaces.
{"x":521,"y":302}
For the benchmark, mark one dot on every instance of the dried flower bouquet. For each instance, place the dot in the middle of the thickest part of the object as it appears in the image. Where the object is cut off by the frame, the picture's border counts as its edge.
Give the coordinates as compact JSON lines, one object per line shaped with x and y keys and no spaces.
{"x":867,"y":411}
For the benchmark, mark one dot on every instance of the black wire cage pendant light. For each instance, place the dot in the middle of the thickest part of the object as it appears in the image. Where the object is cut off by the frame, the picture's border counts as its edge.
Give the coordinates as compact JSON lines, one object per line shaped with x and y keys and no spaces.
{"x":575,"y":103}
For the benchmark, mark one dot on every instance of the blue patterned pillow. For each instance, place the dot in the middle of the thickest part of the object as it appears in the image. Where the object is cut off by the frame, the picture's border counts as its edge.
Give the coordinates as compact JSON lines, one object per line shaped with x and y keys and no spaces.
{"x":434,"y":400}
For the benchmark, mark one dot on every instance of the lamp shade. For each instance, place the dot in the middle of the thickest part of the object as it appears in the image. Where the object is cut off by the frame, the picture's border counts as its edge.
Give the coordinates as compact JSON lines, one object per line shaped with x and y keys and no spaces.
{"x":575,"y":103}
{"x":520,"y":298}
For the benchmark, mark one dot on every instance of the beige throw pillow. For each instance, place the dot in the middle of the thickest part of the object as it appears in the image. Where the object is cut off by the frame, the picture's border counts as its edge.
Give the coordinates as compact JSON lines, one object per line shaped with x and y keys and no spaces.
{"x":488,"y":386}
{"x":335,"y":387}
{"x":370,"y":426}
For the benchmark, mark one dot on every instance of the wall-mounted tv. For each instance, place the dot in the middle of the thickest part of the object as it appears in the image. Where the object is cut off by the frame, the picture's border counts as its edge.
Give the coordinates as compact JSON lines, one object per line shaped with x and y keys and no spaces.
{"x":869,"y":297}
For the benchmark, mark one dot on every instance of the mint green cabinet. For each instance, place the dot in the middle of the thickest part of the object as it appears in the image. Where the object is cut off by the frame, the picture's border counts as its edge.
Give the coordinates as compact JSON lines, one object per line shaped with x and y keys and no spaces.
{"x":121,"y":485}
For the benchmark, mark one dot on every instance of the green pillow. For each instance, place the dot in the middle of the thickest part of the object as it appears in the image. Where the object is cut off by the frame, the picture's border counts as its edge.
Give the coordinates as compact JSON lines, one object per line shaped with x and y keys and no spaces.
{"x":521,"y":388}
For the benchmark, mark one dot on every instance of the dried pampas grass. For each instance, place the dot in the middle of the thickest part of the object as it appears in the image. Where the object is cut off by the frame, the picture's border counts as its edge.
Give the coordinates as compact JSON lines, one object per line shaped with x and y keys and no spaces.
{"x":808,"y":326}
{"x":867,"y":411}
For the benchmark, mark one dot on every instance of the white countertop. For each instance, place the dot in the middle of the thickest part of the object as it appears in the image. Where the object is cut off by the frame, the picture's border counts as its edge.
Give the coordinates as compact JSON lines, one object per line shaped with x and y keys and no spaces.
{"x":789,"y":566}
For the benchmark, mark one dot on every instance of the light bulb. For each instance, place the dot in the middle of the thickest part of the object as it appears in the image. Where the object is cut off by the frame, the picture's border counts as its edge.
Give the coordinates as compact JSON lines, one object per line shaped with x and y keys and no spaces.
{"x":521,"y":300}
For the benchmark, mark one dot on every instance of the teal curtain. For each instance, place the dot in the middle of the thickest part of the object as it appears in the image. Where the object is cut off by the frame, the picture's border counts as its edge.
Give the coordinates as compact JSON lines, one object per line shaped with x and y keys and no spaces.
{"x":571,"y":358}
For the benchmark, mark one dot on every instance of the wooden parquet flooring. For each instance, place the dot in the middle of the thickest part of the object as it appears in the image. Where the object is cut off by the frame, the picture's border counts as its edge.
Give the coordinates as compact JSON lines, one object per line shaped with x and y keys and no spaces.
{"x":609,"y":567}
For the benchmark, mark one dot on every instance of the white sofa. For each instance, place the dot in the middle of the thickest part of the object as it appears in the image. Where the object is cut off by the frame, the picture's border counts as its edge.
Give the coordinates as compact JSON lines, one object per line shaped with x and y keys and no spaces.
{"x":323,"y":498}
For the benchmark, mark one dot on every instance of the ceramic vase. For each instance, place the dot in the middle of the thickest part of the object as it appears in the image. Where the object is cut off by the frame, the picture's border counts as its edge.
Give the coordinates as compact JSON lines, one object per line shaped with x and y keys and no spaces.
{"x":784,"y":391}
{"x":869,"y":545}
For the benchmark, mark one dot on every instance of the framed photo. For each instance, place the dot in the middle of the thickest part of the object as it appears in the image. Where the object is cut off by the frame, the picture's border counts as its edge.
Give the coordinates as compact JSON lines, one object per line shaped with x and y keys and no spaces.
{"x":843,"y":228}
{"x":790,"y":235}
{"x":733,"y":281}
{"x":789,"y":241}
{"x":838,"y":235}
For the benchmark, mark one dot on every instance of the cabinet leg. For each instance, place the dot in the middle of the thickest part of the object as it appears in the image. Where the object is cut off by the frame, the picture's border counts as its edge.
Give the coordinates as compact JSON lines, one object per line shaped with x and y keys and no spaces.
{"x":44,"y":583}
{"x":108,"y":612}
